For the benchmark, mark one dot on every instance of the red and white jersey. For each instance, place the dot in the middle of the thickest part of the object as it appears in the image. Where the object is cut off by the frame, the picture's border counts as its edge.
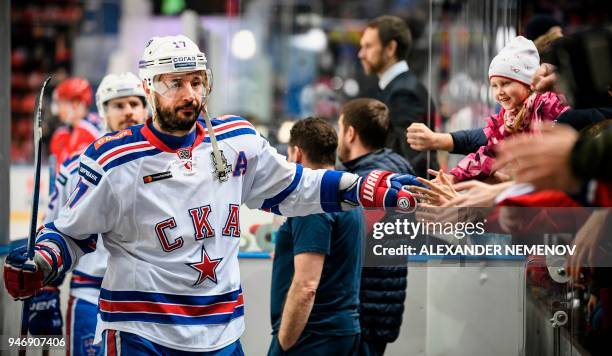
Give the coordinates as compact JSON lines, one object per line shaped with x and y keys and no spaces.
{"x":172,"y":228}
{"x":67,"y":141}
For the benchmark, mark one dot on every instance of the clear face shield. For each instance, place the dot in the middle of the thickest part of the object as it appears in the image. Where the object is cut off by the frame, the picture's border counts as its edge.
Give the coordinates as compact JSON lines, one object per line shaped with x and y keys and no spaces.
{"x":179,"y":88}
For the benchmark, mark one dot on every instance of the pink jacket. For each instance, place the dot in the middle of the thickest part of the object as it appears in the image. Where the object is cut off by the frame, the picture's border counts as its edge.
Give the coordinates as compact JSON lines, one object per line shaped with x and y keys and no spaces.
{"x":479,"y":165}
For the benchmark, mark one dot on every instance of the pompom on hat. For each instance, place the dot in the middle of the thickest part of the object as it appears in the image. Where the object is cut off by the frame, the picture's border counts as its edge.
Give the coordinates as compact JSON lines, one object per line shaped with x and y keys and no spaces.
{"x":518,"y":60}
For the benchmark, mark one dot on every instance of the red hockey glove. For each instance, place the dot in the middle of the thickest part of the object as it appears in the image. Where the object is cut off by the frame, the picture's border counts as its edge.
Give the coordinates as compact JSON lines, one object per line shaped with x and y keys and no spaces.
{"x":23,"y":277}
{"x":383,"y":189}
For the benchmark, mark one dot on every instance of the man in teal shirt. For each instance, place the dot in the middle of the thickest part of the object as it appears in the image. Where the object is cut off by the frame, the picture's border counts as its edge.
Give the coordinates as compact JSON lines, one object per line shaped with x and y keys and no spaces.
{"x":317,"y":264}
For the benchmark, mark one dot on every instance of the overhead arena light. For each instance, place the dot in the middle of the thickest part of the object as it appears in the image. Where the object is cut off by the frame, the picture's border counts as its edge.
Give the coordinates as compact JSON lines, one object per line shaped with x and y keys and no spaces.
{"x":314,"y":40}
{"x":243,"y":44}
{"x":503,"y":36}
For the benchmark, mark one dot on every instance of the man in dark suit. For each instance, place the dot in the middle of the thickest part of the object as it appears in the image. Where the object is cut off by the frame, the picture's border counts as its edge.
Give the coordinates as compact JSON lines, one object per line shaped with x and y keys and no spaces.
{"x":385,"y":44}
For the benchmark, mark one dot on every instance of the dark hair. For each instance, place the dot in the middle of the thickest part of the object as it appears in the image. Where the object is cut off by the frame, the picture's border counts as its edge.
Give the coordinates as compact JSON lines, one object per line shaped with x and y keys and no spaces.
{"x":538,"y":25}
{"x":393,"y":28}
{"x":595,"y":129}
{"x":142,"y":100}
{"x":316,"y":138}
{"x":369,"y":118}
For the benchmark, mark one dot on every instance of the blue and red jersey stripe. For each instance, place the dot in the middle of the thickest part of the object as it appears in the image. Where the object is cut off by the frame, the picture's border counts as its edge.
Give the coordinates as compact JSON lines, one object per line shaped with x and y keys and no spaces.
{"x":83,"y":280}
{"x":163,"y":308}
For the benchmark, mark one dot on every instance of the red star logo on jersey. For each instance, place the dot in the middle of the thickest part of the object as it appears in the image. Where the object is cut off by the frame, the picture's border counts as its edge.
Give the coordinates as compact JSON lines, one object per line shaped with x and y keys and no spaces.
{"x":206,"y":268}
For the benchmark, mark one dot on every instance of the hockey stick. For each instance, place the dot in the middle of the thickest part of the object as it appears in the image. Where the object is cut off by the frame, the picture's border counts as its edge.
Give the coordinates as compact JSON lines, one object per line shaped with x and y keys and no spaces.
{"x":222,"y":170}
{"x":37,"y":128}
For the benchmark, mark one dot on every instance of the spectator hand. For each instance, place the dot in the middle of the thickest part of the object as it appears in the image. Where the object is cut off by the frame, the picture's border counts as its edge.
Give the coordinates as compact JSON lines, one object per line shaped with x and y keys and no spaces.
{"x":440,"y":190}
{"x":421,"y":138}
{"x":448,"y":177}
{"x":498,"y":177}
{"x":544,"y":79}
{"x":589,"y":243}
{"x":542,"y":160}
{"x":476,"y":194}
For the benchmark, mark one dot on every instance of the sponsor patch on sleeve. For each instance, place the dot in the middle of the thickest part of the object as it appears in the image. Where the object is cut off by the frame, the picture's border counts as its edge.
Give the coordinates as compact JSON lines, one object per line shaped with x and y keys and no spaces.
{"x":89,"y":174}
{"x":106,"y":139}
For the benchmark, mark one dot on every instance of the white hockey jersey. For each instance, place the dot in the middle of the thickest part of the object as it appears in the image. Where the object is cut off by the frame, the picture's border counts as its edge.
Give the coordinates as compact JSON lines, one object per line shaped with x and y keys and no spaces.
{"x":87,"y":276}
{"x":172,"y":228}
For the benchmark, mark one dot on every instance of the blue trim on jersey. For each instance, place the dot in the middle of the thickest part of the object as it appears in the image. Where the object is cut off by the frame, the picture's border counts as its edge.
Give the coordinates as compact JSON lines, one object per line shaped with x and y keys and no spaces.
{"x":52,"y":199}
{"x":216,"y":121}
{"x":130,"y":157}
{"x":330,"y":186}
{"x":85,"y":245}
{"x":173,"y":319}
{"x":117,"y":296}
{"x":76,"y":272}
{"x":81,"y":190}
{"x":136,"y":136}
{"x":77,"y":285}
{"x":58,"y":238}
{"x":173,"y":142}
{"x":69,"y":160}
{"x":278,"y":198}
{"x":136,"y":345}
{"x":233,"y":133}
{"x":94,"y":282}
{"x":63,"y":175}
{"x":161,"y":299}
{"x":275,"y":210}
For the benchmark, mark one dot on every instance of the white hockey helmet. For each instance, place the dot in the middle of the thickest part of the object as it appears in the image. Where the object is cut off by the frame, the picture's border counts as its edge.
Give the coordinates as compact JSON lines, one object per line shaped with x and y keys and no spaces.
{"x":115,"y":86}
{"x":178,"y":54}
{"x":172,"y":54}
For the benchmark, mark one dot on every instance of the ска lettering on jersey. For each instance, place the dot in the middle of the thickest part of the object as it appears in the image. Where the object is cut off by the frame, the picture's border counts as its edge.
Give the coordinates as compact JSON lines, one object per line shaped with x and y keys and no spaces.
{"x":201,"y":224}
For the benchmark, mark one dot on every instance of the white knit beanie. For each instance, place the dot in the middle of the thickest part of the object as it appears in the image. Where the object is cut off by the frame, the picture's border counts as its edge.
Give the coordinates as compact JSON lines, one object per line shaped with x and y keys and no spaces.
{"x":518,"y":60}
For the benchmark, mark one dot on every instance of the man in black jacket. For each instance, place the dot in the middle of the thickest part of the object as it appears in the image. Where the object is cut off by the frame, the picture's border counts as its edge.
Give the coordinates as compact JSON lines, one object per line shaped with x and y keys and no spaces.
{"x":363,"y":127}
{"x":385,"y":44}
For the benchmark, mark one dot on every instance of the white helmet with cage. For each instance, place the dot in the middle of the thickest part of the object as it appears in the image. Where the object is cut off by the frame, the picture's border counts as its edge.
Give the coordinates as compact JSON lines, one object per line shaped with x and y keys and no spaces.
{"x":115,"y":86}
{"x":172,"y":54}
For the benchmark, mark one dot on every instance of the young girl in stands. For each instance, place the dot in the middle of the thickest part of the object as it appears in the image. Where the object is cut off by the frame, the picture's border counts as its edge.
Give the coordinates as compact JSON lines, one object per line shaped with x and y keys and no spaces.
{"x":510,"y":75}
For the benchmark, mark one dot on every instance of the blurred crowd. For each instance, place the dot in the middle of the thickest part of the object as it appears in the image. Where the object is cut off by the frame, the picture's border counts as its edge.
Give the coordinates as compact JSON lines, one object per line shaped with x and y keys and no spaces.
{"x":546,"y":143}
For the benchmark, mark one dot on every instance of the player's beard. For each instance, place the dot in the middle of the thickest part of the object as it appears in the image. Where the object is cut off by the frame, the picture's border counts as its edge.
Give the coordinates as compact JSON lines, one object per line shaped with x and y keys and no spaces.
{"x":169,"y":120}
{"x":343,"y":152}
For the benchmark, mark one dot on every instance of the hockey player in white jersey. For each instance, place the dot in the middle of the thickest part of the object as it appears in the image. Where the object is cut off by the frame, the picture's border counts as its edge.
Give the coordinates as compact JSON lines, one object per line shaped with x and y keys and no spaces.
{"x":121,"y":102}
{"x":166,"y":196}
